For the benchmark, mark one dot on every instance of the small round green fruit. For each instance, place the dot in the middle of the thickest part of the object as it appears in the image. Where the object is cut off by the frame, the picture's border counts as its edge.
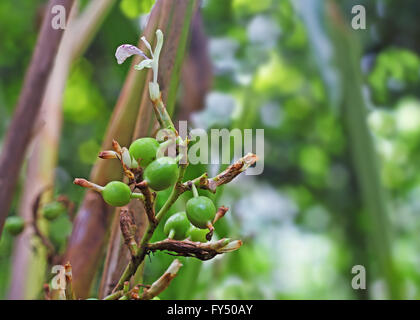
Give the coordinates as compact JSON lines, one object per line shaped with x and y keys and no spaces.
{"x":200,"y":211}
{"x":196,"y":234}
{"x":116,"y":194}
{"x":161,"y":173}
{"x":14,"y":225}
{"x":53,"y":210}
{"x":176,"y":226}
{"x":144,"y":150}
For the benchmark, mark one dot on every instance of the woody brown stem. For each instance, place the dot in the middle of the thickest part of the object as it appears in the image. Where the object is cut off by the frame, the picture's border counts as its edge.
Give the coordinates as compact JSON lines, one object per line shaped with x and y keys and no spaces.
{"x":37,"y":231}
{"x":150,"y":291}
{"x":69,"y":205}
{"x":220,"y":213}
{"x":209,"y":235}
{"x":163,"y":282}
{"x":224,"y":177}
{"x":69,"y":282}
{"x":47,"y":292}
{"x":87,"y":184}
{"x":149,"y":201}
{"x":187,"y":248}
{"x":128,"y":229}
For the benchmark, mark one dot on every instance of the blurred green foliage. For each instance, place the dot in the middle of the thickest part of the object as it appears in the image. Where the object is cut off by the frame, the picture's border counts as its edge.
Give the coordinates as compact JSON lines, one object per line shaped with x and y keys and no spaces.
{"x":133,"y":8}
{"x":395,"y":70}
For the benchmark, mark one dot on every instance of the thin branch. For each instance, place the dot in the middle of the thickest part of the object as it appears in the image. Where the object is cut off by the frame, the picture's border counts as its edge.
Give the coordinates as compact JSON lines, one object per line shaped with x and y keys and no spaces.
{"x":220,"y":213}
{"x":148,"y":201}
{"x":224,"y":177}
{"x":150,"y":291}
{"x":128,"y":229}
{"x":69,"y":282}
{"x":68,"y":204}
{"x":163,"y":282}
{"x":202,"y":251}
{"x":87,"y":184}
{"x":47,"y":291}
{"x":51,"y":253}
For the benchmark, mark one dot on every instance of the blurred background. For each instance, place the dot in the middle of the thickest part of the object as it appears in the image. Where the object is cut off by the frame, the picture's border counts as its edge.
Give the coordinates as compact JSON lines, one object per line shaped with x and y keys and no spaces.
{"x":340,"y":111}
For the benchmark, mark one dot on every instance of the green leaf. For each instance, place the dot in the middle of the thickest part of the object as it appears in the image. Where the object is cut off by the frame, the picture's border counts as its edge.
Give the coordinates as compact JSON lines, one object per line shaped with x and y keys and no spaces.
{"x":133,"y":8}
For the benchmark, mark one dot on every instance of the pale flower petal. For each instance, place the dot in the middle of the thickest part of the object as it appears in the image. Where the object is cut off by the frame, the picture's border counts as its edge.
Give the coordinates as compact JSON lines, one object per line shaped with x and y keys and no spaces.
{"x":127,"y":50}
{"x":159,"y":43}
{"x":147,"y":44}
{"x":144,"y":64}
{"x":126,"y":157}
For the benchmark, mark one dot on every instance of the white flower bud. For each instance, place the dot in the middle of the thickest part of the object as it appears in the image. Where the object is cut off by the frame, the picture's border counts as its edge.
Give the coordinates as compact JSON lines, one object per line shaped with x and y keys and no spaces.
{"x":126,"y":158}
{"x":134,"y":163}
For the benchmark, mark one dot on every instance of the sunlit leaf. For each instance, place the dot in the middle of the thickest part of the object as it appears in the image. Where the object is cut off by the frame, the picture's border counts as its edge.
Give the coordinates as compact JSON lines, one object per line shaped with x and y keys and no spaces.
{"x":134,"y":8}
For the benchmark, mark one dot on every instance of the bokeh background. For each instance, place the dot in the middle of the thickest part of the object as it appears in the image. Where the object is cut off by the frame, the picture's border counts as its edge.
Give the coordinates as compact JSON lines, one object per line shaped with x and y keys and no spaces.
{"x":341,"y":114}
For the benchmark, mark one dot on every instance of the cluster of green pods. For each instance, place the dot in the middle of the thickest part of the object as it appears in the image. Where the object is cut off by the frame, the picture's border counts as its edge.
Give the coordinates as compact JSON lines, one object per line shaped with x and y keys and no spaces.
{"x":159,"y":173}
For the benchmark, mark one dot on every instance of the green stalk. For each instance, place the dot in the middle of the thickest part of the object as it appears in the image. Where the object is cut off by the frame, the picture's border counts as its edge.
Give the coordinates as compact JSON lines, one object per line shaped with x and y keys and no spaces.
{"x":194,"y":190}
{"x":171,"y":234}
